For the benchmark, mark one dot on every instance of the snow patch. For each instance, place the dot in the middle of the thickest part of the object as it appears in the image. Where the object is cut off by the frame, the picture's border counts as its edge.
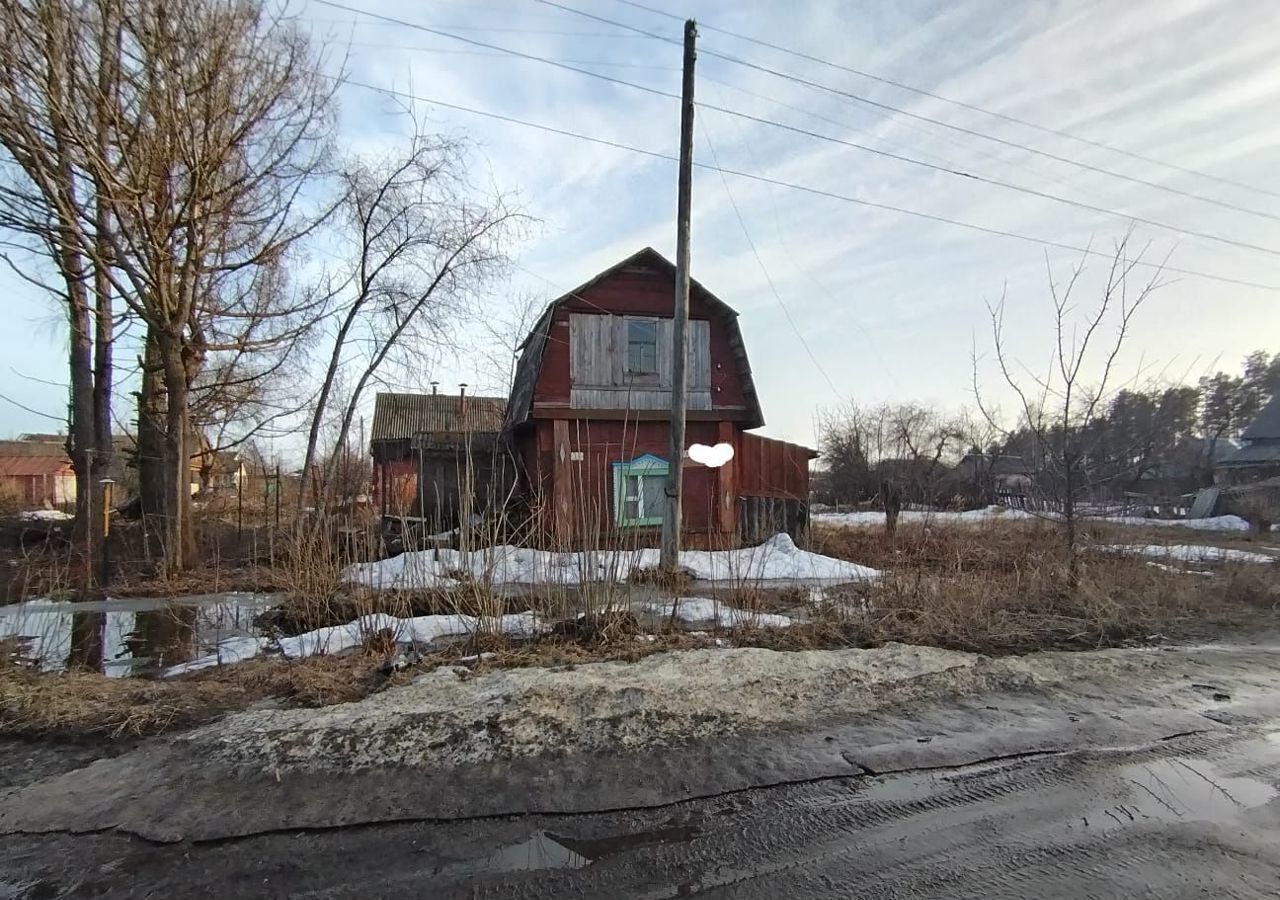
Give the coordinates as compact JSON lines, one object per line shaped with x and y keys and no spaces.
{"x":875,"y":518}
{"x":1190,"y":553}
{"x":339,"y":638}
{"x":45,"y":515}
{"x":778,"y":558}
{"x":703,"y":609}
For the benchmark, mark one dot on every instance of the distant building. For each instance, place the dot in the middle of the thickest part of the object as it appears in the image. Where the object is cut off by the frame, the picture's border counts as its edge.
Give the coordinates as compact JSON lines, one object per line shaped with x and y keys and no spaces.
{"x":431,"y":450}
{"x":37,"y":473}
{"x":1001,"y":473}
{"x":1259,"y":457}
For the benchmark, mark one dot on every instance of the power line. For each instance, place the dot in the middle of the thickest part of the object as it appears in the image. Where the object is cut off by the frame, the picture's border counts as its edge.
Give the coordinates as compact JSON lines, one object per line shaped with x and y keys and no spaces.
{"x":765,"y":269}
{"x":654,"y":154}
{"x":923,"y":118}
{"x":995,"y":182}
{"x":800,"y":54}
{"x":793,"y":258}
{"x":496,"y":55}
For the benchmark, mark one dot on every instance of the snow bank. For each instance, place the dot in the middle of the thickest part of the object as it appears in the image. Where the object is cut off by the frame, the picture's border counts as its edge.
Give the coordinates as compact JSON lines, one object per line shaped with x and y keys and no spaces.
{"x":874,"y":518}
{"x":225,"y":652}
{"x":1213,"y":523}
{"x":776,"y":559}
{"x":1190,"y":553}
{"x":337,"y":638}
{"x":45,"y":515}
{"x":703,"y":609}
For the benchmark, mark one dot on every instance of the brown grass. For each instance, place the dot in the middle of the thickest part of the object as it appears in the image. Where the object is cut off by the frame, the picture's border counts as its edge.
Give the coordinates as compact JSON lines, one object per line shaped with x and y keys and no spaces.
{"x":998,"y":588}
{"x":88,"y":705}
{"x":1003,"y":588}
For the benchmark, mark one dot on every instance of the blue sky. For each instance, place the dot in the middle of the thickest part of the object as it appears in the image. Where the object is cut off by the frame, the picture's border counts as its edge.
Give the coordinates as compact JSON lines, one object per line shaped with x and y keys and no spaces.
{"x":889,"y":305}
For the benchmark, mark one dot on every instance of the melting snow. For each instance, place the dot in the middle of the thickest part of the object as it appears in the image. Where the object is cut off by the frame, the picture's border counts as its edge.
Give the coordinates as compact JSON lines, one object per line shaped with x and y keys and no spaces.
{"x":777,"y":559}
{"x":872,"y":518}
{"x":702,"y":609}
{"x":337,"y":638}
{"x":45,"y":515}
{"x":1191,"y":553}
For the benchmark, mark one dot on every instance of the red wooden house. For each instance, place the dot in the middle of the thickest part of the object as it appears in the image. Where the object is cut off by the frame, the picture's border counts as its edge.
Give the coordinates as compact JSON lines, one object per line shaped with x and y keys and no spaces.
{"x":589,"y":417}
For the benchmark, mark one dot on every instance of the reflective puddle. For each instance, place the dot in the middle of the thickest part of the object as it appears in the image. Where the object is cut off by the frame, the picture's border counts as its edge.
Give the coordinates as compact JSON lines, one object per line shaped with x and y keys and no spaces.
{"x":1178,"y":790}
{"x":125,"y":637}
{"x":546,"y":850}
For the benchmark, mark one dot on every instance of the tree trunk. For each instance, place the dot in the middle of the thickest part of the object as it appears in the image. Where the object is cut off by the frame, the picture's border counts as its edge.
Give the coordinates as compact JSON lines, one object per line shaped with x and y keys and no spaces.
{"x":151,"y":473}
{"x":1069,"y":520}
{"x":81,"y":437}
{"x":177,"y":466}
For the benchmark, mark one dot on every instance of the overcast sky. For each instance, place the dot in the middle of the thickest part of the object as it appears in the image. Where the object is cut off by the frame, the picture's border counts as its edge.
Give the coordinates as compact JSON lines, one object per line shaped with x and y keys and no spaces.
{"x":889,"y":305}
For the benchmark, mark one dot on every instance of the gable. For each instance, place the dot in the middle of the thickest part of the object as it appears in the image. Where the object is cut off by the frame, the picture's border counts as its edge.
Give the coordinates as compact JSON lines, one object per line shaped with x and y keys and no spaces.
{"x":640,"y":286}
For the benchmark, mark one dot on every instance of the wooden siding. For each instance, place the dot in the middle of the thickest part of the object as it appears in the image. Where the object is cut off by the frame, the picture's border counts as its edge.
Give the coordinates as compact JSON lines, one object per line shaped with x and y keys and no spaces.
{"x":569,"y":465}
{"x":772,"y":468}
{"x":576,"y":361}
{"x":597,"y":365}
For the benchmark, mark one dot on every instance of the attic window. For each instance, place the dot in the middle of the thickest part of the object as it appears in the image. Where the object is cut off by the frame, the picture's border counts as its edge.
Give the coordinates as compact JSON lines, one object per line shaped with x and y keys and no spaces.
{"x":642,"y":346}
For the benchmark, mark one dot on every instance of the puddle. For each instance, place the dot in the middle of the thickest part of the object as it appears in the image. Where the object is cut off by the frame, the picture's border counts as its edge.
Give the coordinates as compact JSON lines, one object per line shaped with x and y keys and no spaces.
{"x":544,"y":850}
{"x":131,"y":636}
{"x":1176,"y":790}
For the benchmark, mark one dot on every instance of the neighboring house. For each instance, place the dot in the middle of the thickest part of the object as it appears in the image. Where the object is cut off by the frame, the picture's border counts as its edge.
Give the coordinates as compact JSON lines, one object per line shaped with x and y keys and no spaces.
{"x":590,"y":409}
{"x":217,"y":471}
{"x":37,"y":473}
{"x":1259,"y":456}
{"x":1003,"y":473}
{"x":434,"y":454}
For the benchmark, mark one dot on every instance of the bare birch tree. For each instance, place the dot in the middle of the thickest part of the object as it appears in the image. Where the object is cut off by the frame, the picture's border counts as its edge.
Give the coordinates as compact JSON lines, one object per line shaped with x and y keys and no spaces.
{"x":420,"y":245}
{"x":1060,"y":407}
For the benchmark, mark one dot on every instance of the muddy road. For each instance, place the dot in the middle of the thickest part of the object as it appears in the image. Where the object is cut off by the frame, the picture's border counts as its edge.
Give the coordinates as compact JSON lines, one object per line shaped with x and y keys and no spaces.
{"x":1109,"y":786}
{"x":1194,"y":816}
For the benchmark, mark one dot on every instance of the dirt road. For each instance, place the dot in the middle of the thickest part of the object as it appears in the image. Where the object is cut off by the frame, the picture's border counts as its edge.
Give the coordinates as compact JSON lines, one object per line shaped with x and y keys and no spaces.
{"x":1166,"y":788}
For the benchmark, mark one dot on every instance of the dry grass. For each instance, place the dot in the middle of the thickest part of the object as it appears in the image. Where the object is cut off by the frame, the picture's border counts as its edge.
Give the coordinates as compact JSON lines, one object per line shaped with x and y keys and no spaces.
{"x":998,"y":588}
{"x":88,"y":705}
{"x":1003,"y":588}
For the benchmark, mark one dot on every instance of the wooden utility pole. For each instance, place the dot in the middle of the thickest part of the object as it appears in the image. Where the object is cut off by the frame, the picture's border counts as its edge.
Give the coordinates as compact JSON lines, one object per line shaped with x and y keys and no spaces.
{"x":680,"y":322}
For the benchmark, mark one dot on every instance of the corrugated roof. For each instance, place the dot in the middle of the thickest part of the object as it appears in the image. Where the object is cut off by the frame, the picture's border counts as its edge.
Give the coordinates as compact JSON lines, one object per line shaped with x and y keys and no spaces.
{"x":1253,"y":455}
{"x":401,"y":416}
{"x":25,"y":458}
{"x":530,"y":362}
{"x":1267,"y":425}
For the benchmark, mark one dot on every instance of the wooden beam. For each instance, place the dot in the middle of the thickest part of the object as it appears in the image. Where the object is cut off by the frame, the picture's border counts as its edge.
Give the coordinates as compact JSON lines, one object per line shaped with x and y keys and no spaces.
{"x":727,"y":481}
{"x":562,"y":482}
{"x":719,"y":414}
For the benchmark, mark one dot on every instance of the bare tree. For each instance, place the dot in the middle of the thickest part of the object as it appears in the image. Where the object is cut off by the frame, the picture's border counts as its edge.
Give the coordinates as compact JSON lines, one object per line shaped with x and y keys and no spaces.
{"x":1060,"y":408}
{"x":504,"y":332}
{"x":420,"y":246}
{"x":195,"y":158}
{"x":53,"y":98}
{"x":901,"y":451}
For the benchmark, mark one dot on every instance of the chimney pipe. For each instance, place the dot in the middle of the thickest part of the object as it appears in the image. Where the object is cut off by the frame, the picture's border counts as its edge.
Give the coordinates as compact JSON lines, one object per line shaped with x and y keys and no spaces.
{"x":434,"y":386}
{"x":462,"y":389}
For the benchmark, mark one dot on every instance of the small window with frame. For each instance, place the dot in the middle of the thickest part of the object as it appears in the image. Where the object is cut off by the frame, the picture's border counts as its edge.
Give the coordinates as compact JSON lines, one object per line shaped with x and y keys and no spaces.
{"x":642,"y":347}
{"x":639,"y":490}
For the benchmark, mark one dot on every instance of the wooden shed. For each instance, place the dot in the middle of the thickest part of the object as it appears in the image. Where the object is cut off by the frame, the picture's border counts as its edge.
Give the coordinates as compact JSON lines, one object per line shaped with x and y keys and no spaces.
{"x":435,"y":455}
{"x":37,"y":474}
{"x":589,"y":417}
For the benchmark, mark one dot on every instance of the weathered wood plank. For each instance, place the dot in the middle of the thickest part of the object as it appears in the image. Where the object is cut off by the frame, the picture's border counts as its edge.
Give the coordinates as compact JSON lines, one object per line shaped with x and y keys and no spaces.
{"x":624,"y":398}
{"x":727,"y":481}
{"x":562,"y":482}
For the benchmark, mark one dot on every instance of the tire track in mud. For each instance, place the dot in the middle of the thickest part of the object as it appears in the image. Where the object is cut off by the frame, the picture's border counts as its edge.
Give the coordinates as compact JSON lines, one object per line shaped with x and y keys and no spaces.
{"x":814,"y":841}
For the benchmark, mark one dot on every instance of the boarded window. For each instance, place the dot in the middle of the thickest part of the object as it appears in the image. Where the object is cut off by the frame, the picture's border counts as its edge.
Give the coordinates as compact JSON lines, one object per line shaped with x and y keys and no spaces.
{"x":642,"y":346}
{"x":639,"y":489}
